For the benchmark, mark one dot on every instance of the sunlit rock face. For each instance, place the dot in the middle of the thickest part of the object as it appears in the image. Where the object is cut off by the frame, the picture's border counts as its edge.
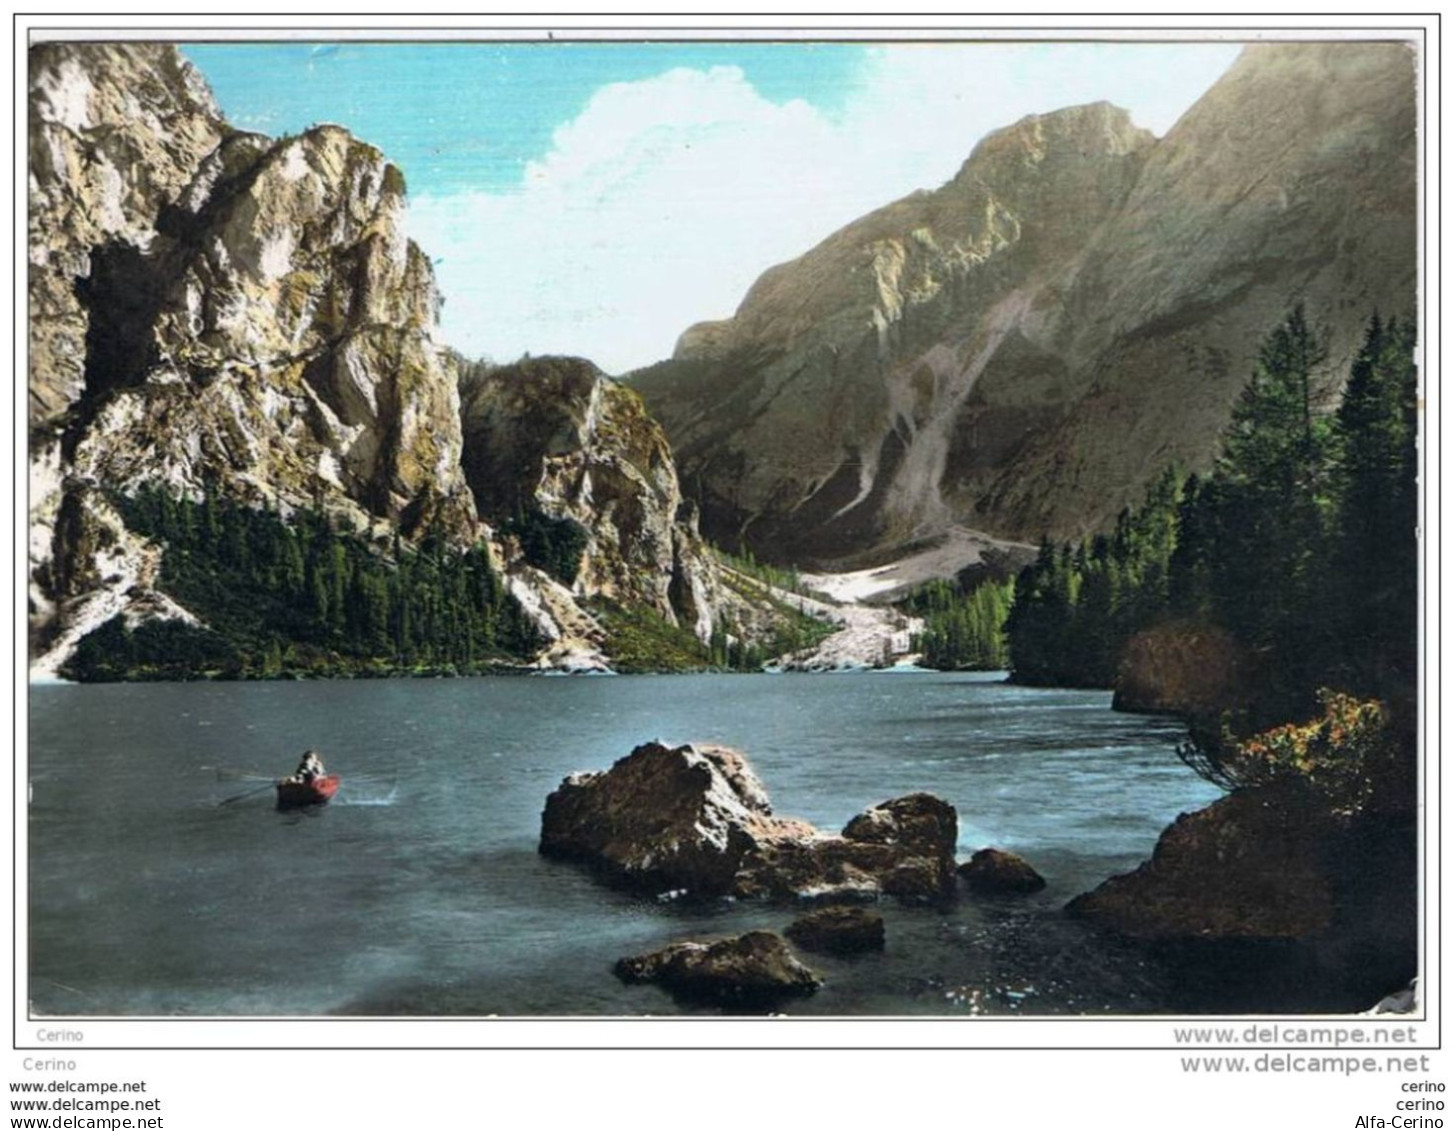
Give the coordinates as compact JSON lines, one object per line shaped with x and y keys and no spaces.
{"x":1024,"y":348}
{"x":110,"y":146}
{"x":220,"y":308}
{"x":215,"y":310}
{"x":557,"y":436}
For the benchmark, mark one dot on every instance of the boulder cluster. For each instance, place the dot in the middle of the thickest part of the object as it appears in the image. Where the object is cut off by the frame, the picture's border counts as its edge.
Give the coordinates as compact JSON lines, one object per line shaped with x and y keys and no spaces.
{"x":696,"y":822}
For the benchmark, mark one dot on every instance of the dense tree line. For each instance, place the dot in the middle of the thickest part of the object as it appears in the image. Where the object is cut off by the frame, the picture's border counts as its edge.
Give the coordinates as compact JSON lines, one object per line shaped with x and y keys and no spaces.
{"x":1076,"y":606}
{"x":300,"y":596}
{"x":1301,"y":542}
{"x":964,"y":625}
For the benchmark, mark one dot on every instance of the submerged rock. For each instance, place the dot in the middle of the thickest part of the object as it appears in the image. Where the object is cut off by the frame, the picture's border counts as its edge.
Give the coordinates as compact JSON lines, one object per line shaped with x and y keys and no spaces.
{"x":697,"y":818}
{"x":992,"y":871}
{"x":838,"y":930}
{"x":754,"y":969}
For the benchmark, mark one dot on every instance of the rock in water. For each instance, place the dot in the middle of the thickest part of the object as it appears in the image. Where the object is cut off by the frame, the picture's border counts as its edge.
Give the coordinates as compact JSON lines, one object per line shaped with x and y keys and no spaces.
{"x":838,"y":930}
{"x":1184,"y":668}
{"x":920,"y":830}
{"x":215,"y":311}
{"x":696,"y":818}
{"x":663,"y":819}
{"x":757,"y":969}
{"x":992,"y":871}
{"x":1248,"y":866}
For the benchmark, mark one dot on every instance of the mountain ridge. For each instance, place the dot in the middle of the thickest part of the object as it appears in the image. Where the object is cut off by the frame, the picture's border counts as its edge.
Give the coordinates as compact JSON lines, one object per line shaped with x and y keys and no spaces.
{"x":1016,"y":381}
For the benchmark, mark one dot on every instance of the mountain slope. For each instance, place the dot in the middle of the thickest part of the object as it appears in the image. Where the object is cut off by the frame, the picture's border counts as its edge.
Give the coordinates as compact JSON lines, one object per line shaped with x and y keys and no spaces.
{"x":1023,"y":349}
{"x":218,"y":314}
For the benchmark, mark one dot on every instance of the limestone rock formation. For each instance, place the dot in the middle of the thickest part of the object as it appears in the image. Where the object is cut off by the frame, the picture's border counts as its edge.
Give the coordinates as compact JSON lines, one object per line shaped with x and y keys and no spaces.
{"x":753,"y":970}
{"x":993,"y":871}
{"x":838,"y":930}
{"x":217,"y":311}
{"x":663,"y":819}
{"x":696,"y":819}
{"x":558,"y":437}
{"x":110,"y":147}
{"x":1266,"y":897}
{"x":1025,"y":348}
{"x":245,"y":316}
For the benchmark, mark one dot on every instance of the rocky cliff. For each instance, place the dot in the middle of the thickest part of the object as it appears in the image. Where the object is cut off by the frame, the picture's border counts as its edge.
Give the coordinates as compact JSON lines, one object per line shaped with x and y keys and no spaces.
{"x":1022,"y":349}
{"x":556,"y":437}
{"x":218,"y":311}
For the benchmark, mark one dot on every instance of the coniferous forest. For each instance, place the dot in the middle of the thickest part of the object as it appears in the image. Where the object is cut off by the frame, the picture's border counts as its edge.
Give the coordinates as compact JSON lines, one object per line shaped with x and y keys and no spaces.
{"x":964,"y":624}
{"x":1297,"y":551}
{"x":299,"y":597}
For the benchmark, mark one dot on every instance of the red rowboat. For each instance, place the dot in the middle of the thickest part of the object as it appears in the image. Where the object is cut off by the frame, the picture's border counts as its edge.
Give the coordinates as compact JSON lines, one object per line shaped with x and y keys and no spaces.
{"x":294,"y":793}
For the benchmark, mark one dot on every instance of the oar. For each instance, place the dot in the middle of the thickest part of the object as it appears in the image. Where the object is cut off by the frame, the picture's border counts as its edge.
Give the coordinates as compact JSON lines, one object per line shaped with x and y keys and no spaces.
{"x":249,"y":793}
{"x":242,"y":775}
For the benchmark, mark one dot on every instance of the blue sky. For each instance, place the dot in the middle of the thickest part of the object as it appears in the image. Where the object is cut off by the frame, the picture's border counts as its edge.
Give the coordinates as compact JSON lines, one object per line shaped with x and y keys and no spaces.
{"x":596,"y":199}
{"x":469,"y":116}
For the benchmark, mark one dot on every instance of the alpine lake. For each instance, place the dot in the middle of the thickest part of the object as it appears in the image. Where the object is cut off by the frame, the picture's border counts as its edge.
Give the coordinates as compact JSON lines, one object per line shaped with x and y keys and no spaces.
{"x":163,"y":880}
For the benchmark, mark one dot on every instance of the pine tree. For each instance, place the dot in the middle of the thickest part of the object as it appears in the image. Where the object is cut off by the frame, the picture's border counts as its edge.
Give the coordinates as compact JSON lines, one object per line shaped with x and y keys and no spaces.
{"x":1377,"y":480}
{"x":1265,"y":509}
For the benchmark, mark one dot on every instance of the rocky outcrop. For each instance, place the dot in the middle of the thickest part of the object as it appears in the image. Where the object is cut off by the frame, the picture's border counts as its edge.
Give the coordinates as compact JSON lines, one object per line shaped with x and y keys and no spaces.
{"x":993,"y":871}
{"x":838,"y":930}
{"x":216,"y":310}
{"x":754,"y":970}
{"x":664,"y":819}
{"x":284,"y":351}
{"x":1267,"y":897}
{"x":1024,"y":349}
{"x":1246,"y":867}
{"x":557,"y":437}
{"x":696,"y":820}
{"x":111,"y":146}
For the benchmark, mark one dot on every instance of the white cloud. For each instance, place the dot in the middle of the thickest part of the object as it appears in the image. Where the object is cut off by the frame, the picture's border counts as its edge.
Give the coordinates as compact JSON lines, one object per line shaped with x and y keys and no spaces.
{"x":664,"y":199}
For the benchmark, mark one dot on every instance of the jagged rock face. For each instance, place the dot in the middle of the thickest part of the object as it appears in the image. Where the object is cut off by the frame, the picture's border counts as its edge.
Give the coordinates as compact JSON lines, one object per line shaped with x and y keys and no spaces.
{"x":838,"y":930}
{"x":1023,"y":349}
{"x":212,"y":307}
{"x":282,"y":341}
{"x":556,"y":435}
{"x":110,"y":147}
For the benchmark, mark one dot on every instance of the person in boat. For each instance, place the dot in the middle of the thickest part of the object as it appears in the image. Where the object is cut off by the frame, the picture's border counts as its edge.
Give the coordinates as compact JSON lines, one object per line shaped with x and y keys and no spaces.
{"x":309,"y":768}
